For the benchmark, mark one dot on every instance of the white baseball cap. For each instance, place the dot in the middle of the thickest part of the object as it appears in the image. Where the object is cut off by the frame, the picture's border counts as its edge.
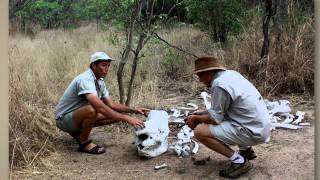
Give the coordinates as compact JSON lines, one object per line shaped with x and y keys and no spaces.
{"x":99,"y":56}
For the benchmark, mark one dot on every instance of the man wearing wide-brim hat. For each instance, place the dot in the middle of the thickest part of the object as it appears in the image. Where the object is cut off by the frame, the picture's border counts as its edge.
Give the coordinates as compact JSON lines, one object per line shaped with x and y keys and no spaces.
{"x":237,"y":116}
{"x":86,"y":104}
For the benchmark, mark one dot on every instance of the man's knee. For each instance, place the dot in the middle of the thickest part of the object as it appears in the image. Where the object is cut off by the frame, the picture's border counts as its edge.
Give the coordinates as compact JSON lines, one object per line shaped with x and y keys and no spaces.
{"x":92,"y":113}
{"x":202,"y":130}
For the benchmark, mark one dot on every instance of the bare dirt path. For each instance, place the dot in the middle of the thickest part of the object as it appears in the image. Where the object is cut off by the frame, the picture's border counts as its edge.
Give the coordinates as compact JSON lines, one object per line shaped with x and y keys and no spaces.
{"x":289,"y":155}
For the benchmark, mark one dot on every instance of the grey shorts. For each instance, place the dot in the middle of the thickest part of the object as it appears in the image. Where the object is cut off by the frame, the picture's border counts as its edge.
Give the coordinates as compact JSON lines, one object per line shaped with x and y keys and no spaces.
{"x":65,"y":123}
{"x":232,"y":134}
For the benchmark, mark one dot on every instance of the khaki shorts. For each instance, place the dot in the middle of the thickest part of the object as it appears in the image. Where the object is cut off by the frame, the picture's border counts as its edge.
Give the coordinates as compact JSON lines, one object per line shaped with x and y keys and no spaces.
{"x":232,"y":134}
{"x":65,"y":123}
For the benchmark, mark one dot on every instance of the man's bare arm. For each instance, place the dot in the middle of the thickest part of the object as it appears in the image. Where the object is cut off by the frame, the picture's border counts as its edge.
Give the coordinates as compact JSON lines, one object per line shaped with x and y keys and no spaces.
{"x":123,"y":108}
{"x":200,"y":112}
{"x":194,"y":120}
{"x":109,"y":113}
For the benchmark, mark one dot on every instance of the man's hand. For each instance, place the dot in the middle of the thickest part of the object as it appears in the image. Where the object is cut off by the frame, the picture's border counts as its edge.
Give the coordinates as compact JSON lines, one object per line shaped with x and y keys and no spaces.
{"x":200,"y":112}
{"x":135,"y":122}
{"x":143,"y":111}
{"x":192,"y":121}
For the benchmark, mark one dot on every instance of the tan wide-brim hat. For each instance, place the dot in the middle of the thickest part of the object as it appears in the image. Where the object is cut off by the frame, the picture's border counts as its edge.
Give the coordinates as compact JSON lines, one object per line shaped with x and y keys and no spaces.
{"x":207,"y":63}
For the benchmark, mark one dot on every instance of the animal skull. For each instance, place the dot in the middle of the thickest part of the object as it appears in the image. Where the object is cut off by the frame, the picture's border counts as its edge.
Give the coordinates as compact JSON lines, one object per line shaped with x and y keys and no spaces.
{"x":152,"y":140}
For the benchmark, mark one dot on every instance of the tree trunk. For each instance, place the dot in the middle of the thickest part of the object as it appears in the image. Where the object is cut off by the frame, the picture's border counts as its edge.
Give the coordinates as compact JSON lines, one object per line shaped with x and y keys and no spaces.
{"x":126,"y":52}
{"x":122,"y":63}
{"x":265,"y":28}
{"x":281,"y":8}
{"x":134,"y":68}
{"x":141,"y":43}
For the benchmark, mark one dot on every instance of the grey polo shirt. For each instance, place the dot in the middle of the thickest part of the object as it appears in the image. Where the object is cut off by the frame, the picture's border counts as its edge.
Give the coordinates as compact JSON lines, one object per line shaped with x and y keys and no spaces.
{"x":220,"y":102}
{"x":74,"y":96}
{"x":235,"y":99}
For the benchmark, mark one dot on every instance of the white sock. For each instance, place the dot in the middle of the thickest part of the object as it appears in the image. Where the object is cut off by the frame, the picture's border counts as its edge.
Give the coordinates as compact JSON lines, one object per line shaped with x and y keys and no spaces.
{"x":236,"y":158}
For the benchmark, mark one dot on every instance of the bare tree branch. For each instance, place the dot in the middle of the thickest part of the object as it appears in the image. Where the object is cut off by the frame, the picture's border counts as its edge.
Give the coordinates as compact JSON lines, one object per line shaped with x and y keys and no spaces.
{"x":174,"y":6}
{"x":173,"y":46}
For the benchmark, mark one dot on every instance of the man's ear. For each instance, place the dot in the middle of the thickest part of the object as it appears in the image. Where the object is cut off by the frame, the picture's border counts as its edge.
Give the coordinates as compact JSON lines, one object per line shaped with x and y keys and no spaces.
{"x":93,"y":66}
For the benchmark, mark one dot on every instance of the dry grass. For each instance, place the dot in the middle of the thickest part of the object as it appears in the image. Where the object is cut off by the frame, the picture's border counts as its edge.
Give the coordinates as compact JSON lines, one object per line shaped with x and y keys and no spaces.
{"x":42,"y":67}
{"x":287,"y":69}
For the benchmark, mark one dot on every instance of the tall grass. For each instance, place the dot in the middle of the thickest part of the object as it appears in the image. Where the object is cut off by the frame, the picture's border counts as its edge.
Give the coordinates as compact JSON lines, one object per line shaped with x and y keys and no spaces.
{"x":289,"y":66}
{"x":41,"y":68}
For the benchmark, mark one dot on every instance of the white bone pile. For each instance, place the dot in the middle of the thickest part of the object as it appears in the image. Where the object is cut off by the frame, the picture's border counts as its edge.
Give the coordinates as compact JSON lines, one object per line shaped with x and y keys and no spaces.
{"x":281,"y":117}
{"x":179,"y":113}
{"x":181,"y":146}
{"x":152,"y":140}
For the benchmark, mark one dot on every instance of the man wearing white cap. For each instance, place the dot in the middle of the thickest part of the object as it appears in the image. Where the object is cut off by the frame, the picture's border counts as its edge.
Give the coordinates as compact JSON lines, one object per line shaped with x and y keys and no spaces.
{"x":238,"y":116}
{"x":86,"y":104}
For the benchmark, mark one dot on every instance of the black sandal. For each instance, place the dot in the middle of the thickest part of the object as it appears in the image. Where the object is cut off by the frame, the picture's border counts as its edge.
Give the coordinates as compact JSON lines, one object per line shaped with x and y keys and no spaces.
{"x":95,"y":150}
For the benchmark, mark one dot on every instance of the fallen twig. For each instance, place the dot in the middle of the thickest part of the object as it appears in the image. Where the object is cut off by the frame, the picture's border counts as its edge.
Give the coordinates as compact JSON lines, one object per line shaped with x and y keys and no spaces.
{"x":38,"y":151}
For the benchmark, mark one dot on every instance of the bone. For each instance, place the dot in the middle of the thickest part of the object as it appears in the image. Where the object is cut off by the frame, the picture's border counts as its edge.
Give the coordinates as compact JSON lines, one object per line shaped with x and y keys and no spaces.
{"x":185,"y":108}
{"x":286,"y":126}
{"x":195,"y":107}
{"x":195,"y":148}
{"x":304,"y":124}
{"x":185,"y":150}
{"x":152,"y":140}
{"x":298,"y":117}
{"x":186,"y":113}
{"x":288,"y":118}
{"x":275,"y":119}
{"x":175,"y":120}
{"x":281,"y":106}
{"x":281,"y":109}
{"x":204,"y":96}
{"x":181,"y":147}
{"x":164,"y":165}
{"x":176,"y":113}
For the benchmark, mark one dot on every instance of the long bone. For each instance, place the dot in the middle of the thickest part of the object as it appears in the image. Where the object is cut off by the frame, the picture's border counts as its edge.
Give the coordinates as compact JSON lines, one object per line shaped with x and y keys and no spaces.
{"x":177,"y":112}
{"x":287,"y":126}
{"x":204,"y":96}
{"x":195,"y":107}
{"x":195,"y":148}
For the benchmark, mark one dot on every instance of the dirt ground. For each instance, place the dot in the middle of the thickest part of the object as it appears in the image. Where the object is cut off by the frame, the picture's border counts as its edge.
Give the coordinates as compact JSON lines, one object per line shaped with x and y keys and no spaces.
{"x":289,"y":155}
